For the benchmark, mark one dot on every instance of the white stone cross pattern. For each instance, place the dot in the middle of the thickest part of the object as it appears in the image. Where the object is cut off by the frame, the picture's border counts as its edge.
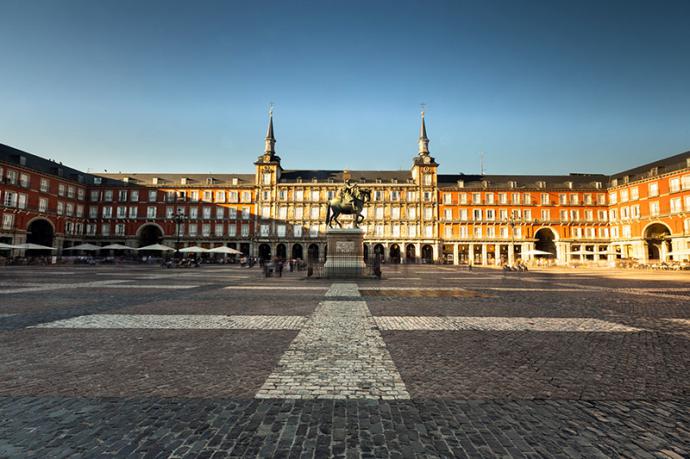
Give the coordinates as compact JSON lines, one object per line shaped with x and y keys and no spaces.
{"x":339,"y":352}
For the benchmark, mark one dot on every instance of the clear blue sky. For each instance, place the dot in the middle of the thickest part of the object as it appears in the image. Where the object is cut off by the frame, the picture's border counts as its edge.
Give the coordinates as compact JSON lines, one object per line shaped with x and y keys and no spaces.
{"x":540,"y":87}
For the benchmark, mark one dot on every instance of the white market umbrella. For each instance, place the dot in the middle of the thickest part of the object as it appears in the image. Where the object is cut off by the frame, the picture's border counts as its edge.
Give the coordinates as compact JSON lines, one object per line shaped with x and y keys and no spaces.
{"x":87,"y":247}
{"x":32,"y":246}
{"x":116,"y":247}
{"x":194,"y":249}
{"x":537,"y":252}
{"x":679,"y":253}
{"x":4,"y":246}
{"x":223,"y":249}
{"x":157,"y":248}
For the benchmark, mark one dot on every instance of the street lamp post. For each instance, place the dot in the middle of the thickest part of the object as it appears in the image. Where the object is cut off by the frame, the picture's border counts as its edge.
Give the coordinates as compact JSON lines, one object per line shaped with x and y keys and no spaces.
{"x":178,"y":217}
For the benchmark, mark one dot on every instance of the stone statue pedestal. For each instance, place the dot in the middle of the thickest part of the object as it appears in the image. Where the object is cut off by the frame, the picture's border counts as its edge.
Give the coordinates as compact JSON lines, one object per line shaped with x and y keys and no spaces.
{"x":345,"y":253}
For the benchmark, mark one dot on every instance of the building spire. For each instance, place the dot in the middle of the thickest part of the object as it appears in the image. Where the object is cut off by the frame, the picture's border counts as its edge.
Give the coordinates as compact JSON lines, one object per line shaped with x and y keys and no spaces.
{"x":423,"y":139}
{"x":270,"y":138}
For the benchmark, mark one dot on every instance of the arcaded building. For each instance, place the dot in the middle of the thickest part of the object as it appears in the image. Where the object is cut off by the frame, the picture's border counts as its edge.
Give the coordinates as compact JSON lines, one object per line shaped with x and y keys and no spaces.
{"x":415,"y":215}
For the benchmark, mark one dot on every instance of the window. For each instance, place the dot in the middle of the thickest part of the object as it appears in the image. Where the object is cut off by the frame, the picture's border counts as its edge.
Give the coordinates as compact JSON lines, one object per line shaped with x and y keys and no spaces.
{"x":654,"y":209}
{"x":562,"y":199}
{"x":463,"y":198}
{"x":107,"y":211}
{"x":545,"y":199}
{"x":685,"y":182}
{"x":120,"y":229}
{"x":299,"y":213}
{"x":635,"y":211}
{"x":463,"y":215}
{"x":314,"y":231}
{"x":280,"y":230}
{"x":69,"y":209}
{"x":10,"y":199}
{"x":282,"y":194}
{"x":527,"y":215}
{"x":267,"y":178}
{"x":476,"y":198}
{"x":575,"y":215}
{"x":515,"y":198}
{"x":266,"y":212}
{"x":206,"y":230}
{"x":601,"y":199}
{"x":448,"y":215}
{"x":546,"y":215}
{"x":588,"y":199}
{"x":169,"y":211}
{"x":218,"y":230}
{"x":233,"y":196}
{"x":232,"y":231}
{"x":613,"y":215}
{"x":208,"y":196}
{"x":411,"y":196}
{"x":627,"y":233}
{"x":232,"y":213}
{"x":517,"y":232}
{"x":45,"y":185}
{"x":105,"y":229}
{"x":613,"y":197}
{"x":299,"y":195}
{"x":428,"y":180}
{"x":448,"y":232}
{"x":7,"y":221}
{"x":574,"y":199}
{"x":477,"y":214}
{"x":504,"y":232}
{"x":206,"y":212}
{"x":315,"y":196}
{"x":133,"y":210}
{"x":427,"y":196}
{"x":220,"y":213}
{"x":634,"y":193}
{"x":42,"y":204}
{"x":266,"y":196}
{"x":122,"y":196}
{"x":527,"y":199}
{"x":412,"y":213}
{"x":624,"y":196}
{"x":412,"y":230}
{"x":61,"y":189}
{"x":108,"y":195}
{"x":193,"y":229}
{"x":193,"y":196}
{"x":297,"y":230}
{"x":687,"y":203}
{"x":121,"y":212}
{"x":563,"y":214}
{"x":244,"y":230}
{"x":447,"y":198}
{"x":490,"y":214}
{"x":477,"y":231}
{"x":674,"y":185}
{"x":246,"y":212}
{"x":428,"y":231}
{"x":395,"y":196}
{"x":428,"y":213}
{"x":601,"y":215}
{"x":378,"y":230}
{"x":220,"y":196}
{"x":151,"y":212}
{"x":314,"y":213}
{"x":395,"y":213}
{"x":246,"y":196}
{"x":491,"y":232}
{"x":676,"y":205}
{"x":379,"y":213}
{"x":489,"y":198}
{"x":589,"y":215}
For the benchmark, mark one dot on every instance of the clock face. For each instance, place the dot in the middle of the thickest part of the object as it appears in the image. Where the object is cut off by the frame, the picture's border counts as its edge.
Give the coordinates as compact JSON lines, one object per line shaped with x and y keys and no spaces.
{"x":427,"y":169}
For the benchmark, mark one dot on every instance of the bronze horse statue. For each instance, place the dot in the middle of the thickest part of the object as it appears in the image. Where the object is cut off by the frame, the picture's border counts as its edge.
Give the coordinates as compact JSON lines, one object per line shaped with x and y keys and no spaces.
{"x":336,"y":206}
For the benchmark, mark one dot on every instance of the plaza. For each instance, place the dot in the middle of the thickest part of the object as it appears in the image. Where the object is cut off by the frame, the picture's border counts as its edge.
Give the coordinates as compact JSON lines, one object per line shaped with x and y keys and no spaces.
{"x":430,"y":361}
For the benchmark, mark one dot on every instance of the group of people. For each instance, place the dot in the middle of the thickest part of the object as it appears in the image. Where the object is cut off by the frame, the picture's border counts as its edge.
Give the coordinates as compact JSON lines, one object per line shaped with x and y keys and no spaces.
{"x":277,"y":265}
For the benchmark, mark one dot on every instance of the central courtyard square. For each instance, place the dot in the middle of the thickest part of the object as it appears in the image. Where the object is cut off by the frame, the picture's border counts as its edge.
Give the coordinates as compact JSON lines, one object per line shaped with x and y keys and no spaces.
{"x":431,"y":361}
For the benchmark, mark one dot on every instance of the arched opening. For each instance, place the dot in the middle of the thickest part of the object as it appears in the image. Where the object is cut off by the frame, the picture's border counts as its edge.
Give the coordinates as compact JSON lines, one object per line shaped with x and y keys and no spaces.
{"x":428,"y":253}
{"x":297,"y":252}
{"x":379,"y":252}
{"x":150,"y":234}
{"x":545,"y":241}
{"x":265,"y":252}
{"x":411,"y":253}
{"x":657,"y":237}
{"x":366,"y":252}
{"x":394,"y":253}
{"x":40,"y":231}
{"x":281,"y":251}
{"x":313,"y":253}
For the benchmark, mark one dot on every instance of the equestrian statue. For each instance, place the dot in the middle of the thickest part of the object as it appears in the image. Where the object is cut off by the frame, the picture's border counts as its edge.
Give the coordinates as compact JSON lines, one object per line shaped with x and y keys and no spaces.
{"x":349,"y":201}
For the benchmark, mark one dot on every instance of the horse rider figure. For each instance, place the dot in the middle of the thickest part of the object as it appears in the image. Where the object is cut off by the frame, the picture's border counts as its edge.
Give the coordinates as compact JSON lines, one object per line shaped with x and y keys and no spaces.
{"x":348,"y":193}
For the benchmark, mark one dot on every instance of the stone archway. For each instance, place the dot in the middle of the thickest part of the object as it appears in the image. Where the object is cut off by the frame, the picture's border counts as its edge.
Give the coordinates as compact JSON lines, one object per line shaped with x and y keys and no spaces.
{"x":366,"y":252}
{"x":150,"y":234}
{"x":545,"y":241}
{"x":411,"y":253}
{"x":281,"y":251}
{"x":40,"y":231}
{"x":657,"y":237}
{"x":394,"y":253}
{"x":297,"y":252}
{"x":379,"y":252}
{"x":313,"y":253}
{"x":265,"y":252}
{"x":427,"y":253}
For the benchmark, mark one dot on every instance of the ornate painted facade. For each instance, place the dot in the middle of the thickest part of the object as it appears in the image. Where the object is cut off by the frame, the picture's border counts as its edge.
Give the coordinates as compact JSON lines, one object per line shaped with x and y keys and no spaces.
{"x":414,"y":215}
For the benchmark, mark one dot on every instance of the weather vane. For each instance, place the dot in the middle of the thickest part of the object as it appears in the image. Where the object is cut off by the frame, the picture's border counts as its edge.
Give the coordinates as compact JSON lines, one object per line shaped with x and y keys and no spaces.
{"x":270,"y":108}
{"x":423,"y":106}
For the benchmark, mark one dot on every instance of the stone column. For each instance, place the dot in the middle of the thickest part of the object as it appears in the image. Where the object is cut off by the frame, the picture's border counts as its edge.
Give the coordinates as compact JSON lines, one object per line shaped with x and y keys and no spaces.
{"x":484,"y":259}
{"x":455,"y":255}
{"x":511,"y":253}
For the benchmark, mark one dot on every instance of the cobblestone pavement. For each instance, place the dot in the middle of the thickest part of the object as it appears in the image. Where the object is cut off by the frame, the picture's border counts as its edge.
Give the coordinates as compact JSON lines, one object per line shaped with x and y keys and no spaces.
{"x":145,"y":362}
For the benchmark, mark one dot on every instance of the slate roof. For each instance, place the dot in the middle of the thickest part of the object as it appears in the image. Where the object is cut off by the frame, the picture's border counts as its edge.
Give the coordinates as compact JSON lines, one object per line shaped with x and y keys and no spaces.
{"x":293,"y":176}
{"x":579,"y":181}
{"x":175,"y":179}
{"x":666,"y":165}
{"x":13,"y":155}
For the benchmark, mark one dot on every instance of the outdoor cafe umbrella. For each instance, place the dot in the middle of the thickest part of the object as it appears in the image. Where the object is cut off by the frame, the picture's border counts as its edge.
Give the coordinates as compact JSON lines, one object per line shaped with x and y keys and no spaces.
{"x":117,"y":247}
{"x":193,"y":249}
{"x":157,"y":248}
{"x":4,"y":246}
{"x":679,"y":253}
{"x":537,"y":252}
{"x":223,"y":249}
{"x":32,"y":246}
{"x":86,"y":247}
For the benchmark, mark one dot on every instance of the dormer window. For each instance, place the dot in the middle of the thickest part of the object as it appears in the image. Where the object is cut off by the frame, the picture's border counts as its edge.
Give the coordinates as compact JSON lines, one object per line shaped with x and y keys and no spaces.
{"x":485,"y":183}
{"x":22,"y":160}
{"x":378,"y":180}
{"x":653,"y":171}
{"x":512,"y":184}
{"x":210,"y":181}
{"x":235,"y":181}
{"x":614,"y":182}
{"x":184,"y":181}
{"x":461,"y":184}
{"x":569,"y":185}
{"x":541,"y":184}
{"x":154,"y":180}
{"x":97,"y":180}
{"x":626,"y":179}
{"x":597,"y":185}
